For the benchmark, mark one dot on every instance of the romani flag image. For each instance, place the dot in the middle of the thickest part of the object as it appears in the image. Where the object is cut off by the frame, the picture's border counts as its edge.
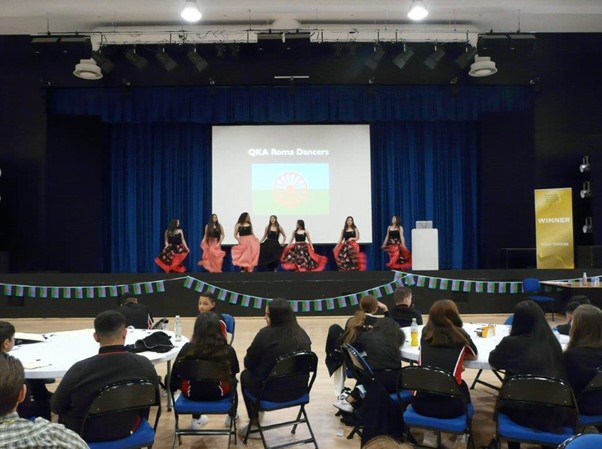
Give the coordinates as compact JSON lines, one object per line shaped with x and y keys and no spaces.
{"x":301,"y":189}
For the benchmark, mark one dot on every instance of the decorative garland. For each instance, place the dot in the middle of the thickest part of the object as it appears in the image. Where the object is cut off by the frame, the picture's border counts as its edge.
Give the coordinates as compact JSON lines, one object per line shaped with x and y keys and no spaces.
{"x":307,"y":305}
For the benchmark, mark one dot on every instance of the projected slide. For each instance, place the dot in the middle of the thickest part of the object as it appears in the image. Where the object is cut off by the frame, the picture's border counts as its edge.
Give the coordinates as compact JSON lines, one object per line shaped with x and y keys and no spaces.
{"x":301,"y":189}
{"x":318,"y":173}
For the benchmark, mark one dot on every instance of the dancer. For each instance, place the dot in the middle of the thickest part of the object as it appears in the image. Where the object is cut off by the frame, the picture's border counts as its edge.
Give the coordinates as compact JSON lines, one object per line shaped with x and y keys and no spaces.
{"x":299,"y":255}
{"x":400,"y":257}
{"x":246,"y":254}
{"x":175,"y":251}
{"x":347,"y":253}
{"x":213,"y":255}
{"x":271,"y":249}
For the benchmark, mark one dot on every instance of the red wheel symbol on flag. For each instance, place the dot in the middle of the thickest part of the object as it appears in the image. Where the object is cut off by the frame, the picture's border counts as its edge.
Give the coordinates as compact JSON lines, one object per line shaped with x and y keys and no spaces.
{"x":290,"y":189}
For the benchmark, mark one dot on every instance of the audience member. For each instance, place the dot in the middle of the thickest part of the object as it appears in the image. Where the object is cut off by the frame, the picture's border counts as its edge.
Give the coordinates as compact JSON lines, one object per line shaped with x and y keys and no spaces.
{"x":573,"y":303}
{"x":136,"y":314}
{"x":531,"y":348}
{"x":82,"y":382}
{"x":207,"y":303}
{"x":404,"y":311}
{"x":281,"y":336}
{"x":21,"y":433}
{"x":386,"y":442}
{"x":208,"y":343}
{"x":583,"y":356}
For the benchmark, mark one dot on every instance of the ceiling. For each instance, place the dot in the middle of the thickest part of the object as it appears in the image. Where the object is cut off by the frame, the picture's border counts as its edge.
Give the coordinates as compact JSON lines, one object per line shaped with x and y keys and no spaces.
{"x":227,"y":16}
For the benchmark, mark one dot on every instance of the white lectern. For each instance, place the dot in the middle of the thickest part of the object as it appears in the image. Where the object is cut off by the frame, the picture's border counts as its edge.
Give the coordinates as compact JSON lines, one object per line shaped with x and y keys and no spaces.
{"x":425,"y":249}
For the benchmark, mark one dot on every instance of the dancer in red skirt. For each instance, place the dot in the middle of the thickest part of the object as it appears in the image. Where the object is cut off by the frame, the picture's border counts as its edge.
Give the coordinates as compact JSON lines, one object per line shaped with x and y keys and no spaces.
{"x":347,"y":253}
{"x":175,"y":251}
{"x":246,"y":254}
{"x":213,"y":255}
{"x":400,"y":257}
{"x":299,"y":255}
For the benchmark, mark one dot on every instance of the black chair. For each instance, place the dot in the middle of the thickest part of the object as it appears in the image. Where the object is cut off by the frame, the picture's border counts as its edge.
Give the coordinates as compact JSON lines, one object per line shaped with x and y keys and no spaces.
{"x":591,"y":392}
{"x":534,"y":394}
{"x":435,"y":381}
{"x":202,"y":371}
{"x":290,"y":367}
{"x":118,"y":416}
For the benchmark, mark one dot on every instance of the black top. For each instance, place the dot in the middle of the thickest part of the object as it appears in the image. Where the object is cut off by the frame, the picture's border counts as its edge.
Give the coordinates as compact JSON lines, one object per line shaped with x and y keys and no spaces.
{"x":368,"y":323}
{"x":348,"y":235}
{"x":300,"y":237}
{"x":136,"y":315}
{"x":273,"y":235}
{"x":245,"y":230}
{"x":403,"y":314}
{"x":564,"y":329}
{"x":174,"y":239}
{"x":581,"y":365}
{"x":381,"y":354}
{"x":394,"y":234}
{"x":82,"y":382}
{"x":214,"y":232}
{"x":449,"y":357}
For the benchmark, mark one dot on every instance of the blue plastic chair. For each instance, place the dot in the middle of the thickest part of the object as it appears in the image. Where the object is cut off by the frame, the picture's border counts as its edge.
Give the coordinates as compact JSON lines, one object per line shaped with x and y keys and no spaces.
{"x":532,"y":288}
{"x":594,"y":387}
{"x":201,"y":371}
{"x":583,"y":441}
{"x":122,"y":406}
{"x":535,"y":391}
{"x":426,"y":379}
{"x":509,"y":320}
{"x":230,"y":325}
{"x":286,"y":368}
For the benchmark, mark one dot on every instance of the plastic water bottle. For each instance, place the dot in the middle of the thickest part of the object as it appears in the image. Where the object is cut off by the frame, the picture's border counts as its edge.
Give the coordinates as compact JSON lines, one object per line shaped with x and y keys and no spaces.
{"x":178,"y":329}
{"x":414,"y":332}
{"x":584,"y":279}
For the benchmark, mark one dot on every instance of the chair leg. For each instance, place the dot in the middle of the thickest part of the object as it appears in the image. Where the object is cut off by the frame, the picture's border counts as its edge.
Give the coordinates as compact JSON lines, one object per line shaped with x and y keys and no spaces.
{"x":298,"y":417}
{"x":476,"y":379}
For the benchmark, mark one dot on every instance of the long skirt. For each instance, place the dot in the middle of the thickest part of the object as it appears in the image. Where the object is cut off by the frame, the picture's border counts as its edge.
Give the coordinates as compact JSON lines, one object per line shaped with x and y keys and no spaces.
{"x":348,"y":256}
{"x":301,"y":256}
{"x":213,"y":256}
{"x":246,"y":253}
{"x":270,"y":253}
{"x":171,"y":259}
{"x":400,"y":258}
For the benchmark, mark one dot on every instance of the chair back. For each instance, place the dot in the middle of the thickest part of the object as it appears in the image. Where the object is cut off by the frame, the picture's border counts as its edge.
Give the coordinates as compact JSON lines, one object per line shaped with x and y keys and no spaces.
{"x":358,"y":364}
{"x":428,"y":379}
{"x":531,"y":285}
{"x":230,"y":325}
{"x":509,"y":320}
{"x":298,"y":368}
{"x":594,"y":384}
{"x":117,"y":409}
{"x":196,"y":371}
{"x":583,"y":441}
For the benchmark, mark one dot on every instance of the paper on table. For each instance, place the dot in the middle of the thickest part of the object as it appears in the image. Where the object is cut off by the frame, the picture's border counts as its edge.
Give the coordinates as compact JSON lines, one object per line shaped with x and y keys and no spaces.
{"x":34,"y":364}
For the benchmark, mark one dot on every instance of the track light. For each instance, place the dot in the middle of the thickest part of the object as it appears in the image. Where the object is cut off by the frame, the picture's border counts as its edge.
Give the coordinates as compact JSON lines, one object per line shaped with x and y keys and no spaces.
{"x":404,"y":57}
{"x":417,"y":10}
{"x":588,"y":227}
{"x":166,"y":61}
{"x":584,"y":167}
{"x":433,"y":60}
{"x":140,"y":62}
{"x":586,"y":191}
{"x":197,"y":60}
{"x":465,"y":58}
{"x":103,"y":62}
{"x":482,"y":66}
{"x":191,"y":12}
{"x":87,"y":70}
{"x":374,"y":59}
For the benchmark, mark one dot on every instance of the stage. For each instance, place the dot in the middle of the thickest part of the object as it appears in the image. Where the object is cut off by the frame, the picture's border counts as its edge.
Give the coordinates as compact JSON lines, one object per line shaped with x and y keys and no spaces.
{"x":244,"y":294}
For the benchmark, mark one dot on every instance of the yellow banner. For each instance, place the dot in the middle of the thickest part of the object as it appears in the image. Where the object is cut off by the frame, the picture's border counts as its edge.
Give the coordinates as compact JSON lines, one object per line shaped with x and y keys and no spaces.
{"x":554,"y":228}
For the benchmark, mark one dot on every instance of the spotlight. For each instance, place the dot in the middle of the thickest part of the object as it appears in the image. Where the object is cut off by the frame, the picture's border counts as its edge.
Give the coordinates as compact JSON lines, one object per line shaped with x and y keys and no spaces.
{"x":87,"y":70}
{"x":584,"y":167}
{"x":465,"y":58}
{"x":374,"y":59}
{"x":197,"y":60}
{"x":166,"y":61}
{"x":103,"y":62}
{"x":433,"y":60}
{"x":588,"y":227}
{"x":404,"y":57}
{"x":137,"y":61}
{"x":190,"y":12}
{"x":586,"y":191}
{"x":417,"y":10}
{"x":482,"y":66}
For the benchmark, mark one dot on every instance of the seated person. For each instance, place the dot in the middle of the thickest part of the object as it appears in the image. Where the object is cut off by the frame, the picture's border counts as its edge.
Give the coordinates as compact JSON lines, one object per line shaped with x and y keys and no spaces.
{"x":82,"y":382}
{"x":16,"y":432}
{"x":403,"y":311}
{"x":207,"y":303}
{"x":208,"y":343}
{"x":136,"y":314}
{"x":583,"y":356}
{"x":573,"y":303}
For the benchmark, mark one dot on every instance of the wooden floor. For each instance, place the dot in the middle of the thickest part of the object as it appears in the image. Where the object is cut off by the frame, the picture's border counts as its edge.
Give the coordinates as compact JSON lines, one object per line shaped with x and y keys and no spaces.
{"x":326,"y":425}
